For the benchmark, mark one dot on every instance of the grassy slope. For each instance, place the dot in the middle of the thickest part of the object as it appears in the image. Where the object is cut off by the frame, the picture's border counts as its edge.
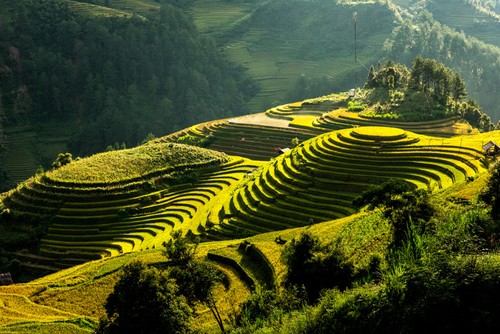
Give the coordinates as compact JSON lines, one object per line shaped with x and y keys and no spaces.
{"x":279,"y":43}
{"x":75,"y":296}
{"x":124,"y":165}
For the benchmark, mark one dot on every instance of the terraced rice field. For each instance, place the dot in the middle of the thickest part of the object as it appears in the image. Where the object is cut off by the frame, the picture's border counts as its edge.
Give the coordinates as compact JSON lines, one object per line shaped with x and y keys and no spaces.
{"x":252,"y":141}
{"x":20,"y":161}
{"x":121,"y":8}
{"x":131,"y":221}
{"x":461,"y":15}
{"x":216,"y":15}
{"x":119,"y":202}
{"x":292,"y":110}
{"x":277,"y":71}
{"x":342,"y":119}
{"x":124,"y":201}
{"x":318,"y":180}
{"x":89,"y":9}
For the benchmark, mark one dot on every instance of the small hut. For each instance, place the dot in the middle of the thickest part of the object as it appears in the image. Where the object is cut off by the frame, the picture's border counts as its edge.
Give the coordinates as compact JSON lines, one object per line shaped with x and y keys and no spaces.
{"x":281,"y":150}
{"x":491,"y":148}
{"x":6,"y":279}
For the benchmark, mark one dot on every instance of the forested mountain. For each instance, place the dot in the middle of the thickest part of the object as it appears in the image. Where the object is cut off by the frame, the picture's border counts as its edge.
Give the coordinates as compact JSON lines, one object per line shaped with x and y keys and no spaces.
{"x":117,"y":79}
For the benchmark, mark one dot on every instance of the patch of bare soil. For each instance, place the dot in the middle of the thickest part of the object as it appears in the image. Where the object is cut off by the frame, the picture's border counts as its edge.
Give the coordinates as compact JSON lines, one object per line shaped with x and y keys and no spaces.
{"x":261,"y":119}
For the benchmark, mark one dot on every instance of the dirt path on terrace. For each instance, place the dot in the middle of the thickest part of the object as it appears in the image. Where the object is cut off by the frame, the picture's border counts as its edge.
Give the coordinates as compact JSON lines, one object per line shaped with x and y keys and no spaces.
{"x":261,"y":119}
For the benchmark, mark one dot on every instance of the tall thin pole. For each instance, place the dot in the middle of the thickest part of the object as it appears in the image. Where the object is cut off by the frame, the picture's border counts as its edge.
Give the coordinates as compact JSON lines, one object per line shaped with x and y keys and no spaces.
{"x":355,"y":19}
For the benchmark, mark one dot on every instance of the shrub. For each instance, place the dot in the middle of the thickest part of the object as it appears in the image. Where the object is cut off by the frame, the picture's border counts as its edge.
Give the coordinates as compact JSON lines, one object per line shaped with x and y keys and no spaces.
{"x":316,"y":267}
{"x":400,"y":204}
{"x":62,"y":159}
{"x":263,"y":304}
{"x":443,"y":296}
{"x":466,"y":232}
{"x":356,"y":106}
{"x":145,"y":301}
{"x":491,"y":194}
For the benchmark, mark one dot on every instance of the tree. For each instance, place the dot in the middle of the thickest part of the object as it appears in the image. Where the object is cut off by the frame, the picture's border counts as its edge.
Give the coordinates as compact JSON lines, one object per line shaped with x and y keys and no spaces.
{"x":378,"y":196}
{"x":145,"y":300}
{"x":491,"y":194}
{"x":62,"y":159}
{"x":458,"y":91}
{"x":316,"y":267}
{"x":196,"y":279}
{"x":399,"y":203}
{"x":179,"y":250}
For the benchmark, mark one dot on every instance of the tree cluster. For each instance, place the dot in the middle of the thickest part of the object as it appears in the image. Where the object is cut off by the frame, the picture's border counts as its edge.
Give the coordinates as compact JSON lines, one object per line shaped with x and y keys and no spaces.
{"x":147,"y":300}
{"x":400,"y":204}
{"x":491,"y":194}
{"x":425,"y":75}
{"x":391,"y":76}
{"x":427,"y":90}
{"x":315,"y":267}
{"x":428,"y":75}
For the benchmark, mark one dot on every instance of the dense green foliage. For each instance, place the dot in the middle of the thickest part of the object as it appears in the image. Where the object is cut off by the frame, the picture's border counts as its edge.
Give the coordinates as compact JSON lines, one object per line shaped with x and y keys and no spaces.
{"x":400,"y":204}
{"x":426,"y":91}
{"x":491,"y":195}
{"x":62,"y":159}
{"x":444,"y":296}
{"x":316,"y":267}
{"x":145,"y":300}
{"x":119,"y":78}
{"x":441,"y":280}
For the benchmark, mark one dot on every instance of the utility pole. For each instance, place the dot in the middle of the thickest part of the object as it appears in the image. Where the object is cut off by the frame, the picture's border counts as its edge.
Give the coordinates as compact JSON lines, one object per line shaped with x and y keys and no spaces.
{"x":355,"y":20}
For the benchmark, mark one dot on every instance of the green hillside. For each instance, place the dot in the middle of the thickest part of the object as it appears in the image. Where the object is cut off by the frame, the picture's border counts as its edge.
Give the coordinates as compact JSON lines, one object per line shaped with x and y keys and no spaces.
{"x":96,"y":214}
{"x":371,"y":210}
{"x":282,"y":42}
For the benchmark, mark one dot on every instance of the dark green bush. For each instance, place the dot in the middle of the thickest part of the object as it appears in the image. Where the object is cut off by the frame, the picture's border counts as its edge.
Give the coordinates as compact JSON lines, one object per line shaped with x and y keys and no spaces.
{"x":145,"y":301}
{"x":316,"y":267}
